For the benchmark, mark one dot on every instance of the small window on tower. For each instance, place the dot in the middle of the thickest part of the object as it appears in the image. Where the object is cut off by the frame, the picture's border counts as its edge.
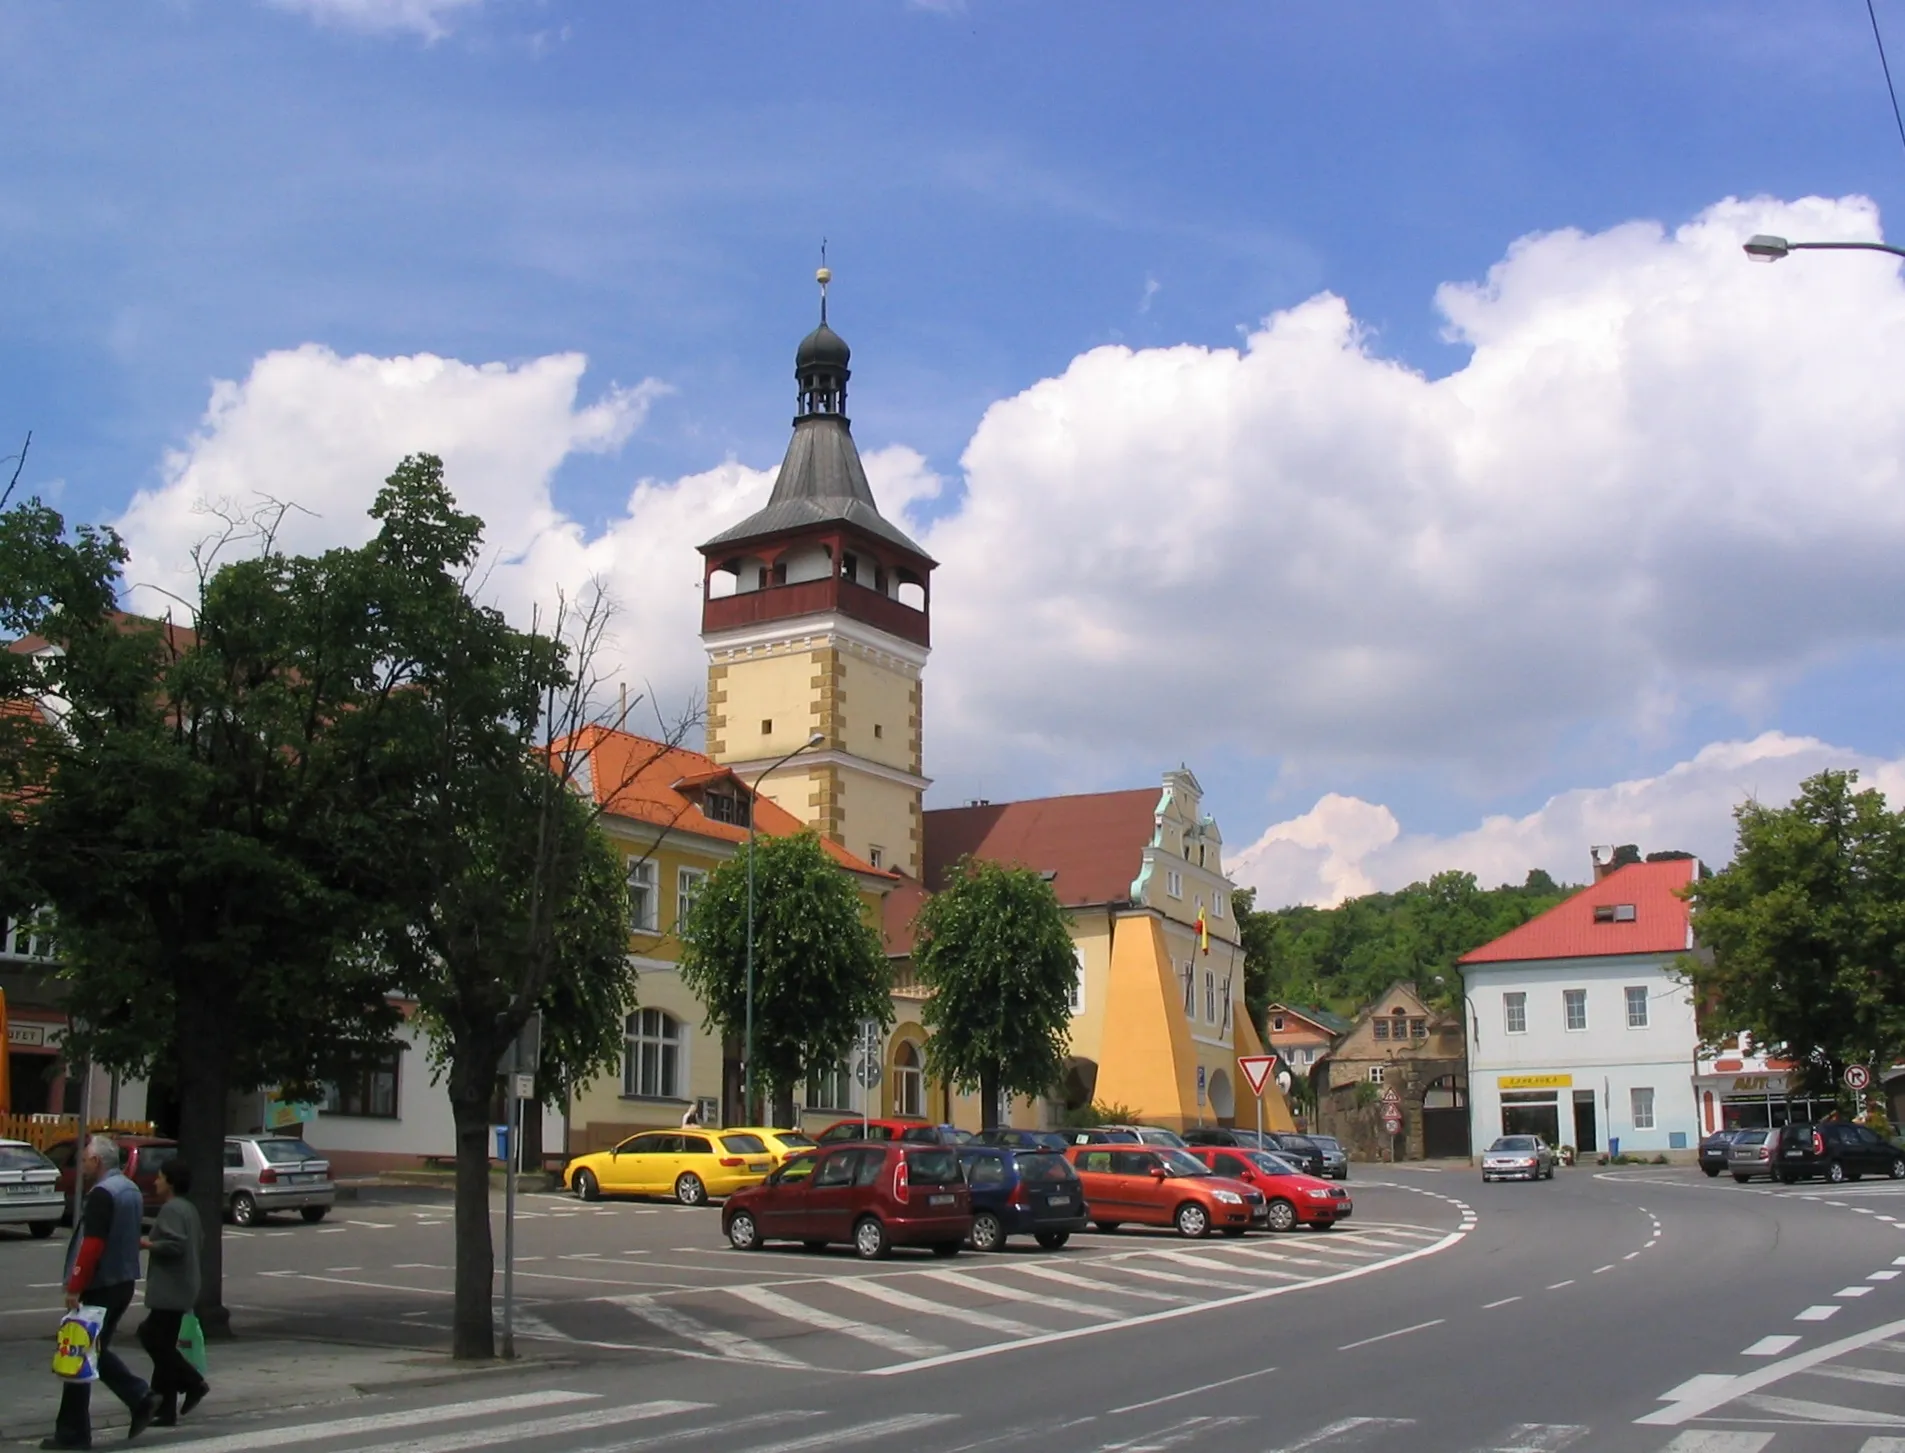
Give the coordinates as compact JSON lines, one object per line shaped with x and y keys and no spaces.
{"x":780,"y":572}
{"x":850,"y":566}
{"x":767,"y":726}
{"x":878,"y":730}
{"x":875,"y":857}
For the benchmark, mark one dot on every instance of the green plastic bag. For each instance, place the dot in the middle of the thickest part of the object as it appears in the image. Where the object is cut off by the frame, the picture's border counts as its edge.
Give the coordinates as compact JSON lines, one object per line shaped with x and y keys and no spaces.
{"x":192,"y":1341}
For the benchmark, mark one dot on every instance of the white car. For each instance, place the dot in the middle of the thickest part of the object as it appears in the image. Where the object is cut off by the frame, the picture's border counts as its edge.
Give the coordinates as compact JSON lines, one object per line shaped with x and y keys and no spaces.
{"x":29,"y":1190}
{"x":1518,"y":1158}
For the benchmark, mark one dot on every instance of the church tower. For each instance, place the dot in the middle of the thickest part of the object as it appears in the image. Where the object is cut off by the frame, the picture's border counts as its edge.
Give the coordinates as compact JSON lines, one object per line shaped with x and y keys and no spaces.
{"x":814,"y":614}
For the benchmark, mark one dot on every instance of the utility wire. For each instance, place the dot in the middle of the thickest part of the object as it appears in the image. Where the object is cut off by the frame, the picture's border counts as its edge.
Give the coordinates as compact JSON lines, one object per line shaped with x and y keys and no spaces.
{"x":1886,"y":66}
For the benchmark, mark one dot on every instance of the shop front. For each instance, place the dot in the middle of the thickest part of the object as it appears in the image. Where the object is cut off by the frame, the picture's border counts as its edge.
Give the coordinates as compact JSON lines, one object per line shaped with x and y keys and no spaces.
{"x":1756,"y":1100}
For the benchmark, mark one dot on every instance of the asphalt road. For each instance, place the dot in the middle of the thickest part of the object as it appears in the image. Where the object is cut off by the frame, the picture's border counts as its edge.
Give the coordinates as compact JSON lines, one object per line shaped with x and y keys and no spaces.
{"x":1629,"y":1310}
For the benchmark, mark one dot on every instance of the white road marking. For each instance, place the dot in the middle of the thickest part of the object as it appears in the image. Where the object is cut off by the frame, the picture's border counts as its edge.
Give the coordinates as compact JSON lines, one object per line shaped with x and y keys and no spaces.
{"x":1709,"y":1440}
{"x":1171,"y":1397}
{"x":1853,"y":1292}
{"x":1277,"y":1253}
{"x":893,"y":1296}
{"x":1085,"y":1283}
{"x":1170,"y":1437}
{"x":374,"y":1225}
{"x":1816,"y":1314}
{"x":1173,"y":1277}
{"x":1490,"y":1306}
{"x":534,"y":1428}
{"x":1539,"y":1438}
{"x":1202,"y":1263}
{"x":281,"y":1435}
{"x":1699,"y":1405}
{"x":1019,"y":1294}
{"x":1870,"y":1375}
{"x":1558,"y":1285}
{"x":1385,"y":1336}
{"x":1699,"y":1385}
{"x":1883,"y":1276}
{"x":711,"y":1430}
{"x":1814,"y":1412}
{"x":1770,"y":1346}
{"x":1596,"y":1272}
{"x":680,"y":1324}
{"x":858,"y":1433}
{"x":1345,"y":1432}
{"x":1882,"y":1445}
{"x":884,"y":1337}
{"x":429,"y":1265}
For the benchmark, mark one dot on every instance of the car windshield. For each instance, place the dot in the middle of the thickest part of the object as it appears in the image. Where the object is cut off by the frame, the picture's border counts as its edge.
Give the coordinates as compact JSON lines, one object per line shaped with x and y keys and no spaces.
{"x":744,"y":1144}
{"x":932,"y":1168}
{"x":1182,"y":1163}
{"x":1750,"y":1137}
{"x":1042,"y":1166}
{"x":1151,"y":1135}
{"x":1521,"y":1143}
{"x":1328,"y":1142}
{"x":793,"y":1137}
{"x":23,"y":1157}
{"x":284,"y":1152}
{"x":1269,"y":1164}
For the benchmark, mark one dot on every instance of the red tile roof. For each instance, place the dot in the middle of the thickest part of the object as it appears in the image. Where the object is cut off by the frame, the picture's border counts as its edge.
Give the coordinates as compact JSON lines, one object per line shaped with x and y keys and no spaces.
{"x":1661,"y":923}
{"x":897,"y":912}
{"x":1093,"y":842}
{"x":650,"y":781}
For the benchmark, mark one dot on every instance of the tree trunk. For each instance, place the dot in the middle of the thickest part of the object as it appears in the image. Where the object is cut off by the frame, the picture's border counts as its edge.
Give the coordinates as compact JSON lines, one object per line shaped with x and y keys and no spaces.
{"x":473,"y":1333}
{"x":989,"y":1097}
{"x":203,"y":1059}
{"x":784,"y":1118}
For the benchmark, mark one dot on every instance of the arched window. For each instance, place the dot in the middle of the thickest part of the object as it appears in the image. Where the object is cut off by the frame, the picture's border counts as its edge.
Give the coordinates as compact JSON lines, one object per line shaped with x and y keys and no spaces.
{"x":652,"y":1065}
{"x":909,"y":1083}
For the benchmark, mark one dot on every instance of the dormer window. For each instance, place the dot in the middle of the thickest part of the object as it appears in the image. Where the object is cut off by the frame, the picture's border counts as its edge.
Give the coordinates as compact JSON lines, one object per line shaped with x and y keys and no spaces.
{"x":1614,"y":913}
{"x":720,"y":805}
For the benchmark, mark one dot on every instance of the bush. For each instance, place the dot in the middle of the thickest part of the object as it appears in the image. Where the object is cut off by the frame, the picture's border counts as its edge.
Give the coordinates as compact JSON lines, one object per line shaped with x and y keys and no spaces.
{"x":1101,"y":1112}
{"x":1660,"y":1160}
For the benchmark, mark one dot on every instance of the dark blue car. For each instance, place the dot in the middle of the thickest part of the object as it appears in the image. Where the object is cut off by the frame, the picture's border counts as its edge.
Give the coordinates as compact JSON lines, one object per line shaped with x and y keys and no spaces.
{"x":1021,"y":1193}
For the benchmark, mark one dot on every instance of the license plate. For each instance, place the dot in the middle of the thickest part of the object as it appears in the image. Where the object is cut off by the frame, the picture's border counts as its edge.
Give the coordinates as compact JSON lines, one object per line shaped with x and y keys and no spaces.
{"x":758,"y":1165}
{"x":940,"y":1200}
{"x":28,"y":1190}
{"x":299,"y":1180}
{"x":1058,"y":1200}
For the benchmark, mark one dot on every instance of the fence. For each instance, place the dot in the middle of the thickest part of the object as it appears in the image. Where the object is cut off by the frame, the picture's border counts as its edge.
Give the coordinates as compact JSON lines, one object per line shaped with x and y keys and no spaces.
{"x":41,"y":1131}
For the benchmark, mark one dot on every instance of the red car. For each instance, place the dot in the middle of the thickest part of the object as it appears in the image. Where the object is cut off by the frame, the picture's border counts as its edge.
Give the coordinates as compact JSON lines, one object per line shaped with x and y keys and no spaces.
{"x":140,"y":1157}
{"x":914,"y":1132}
{"x":873,"y":1197}
{"x":1296,"y":1198}
{"x":1161,"y":1185}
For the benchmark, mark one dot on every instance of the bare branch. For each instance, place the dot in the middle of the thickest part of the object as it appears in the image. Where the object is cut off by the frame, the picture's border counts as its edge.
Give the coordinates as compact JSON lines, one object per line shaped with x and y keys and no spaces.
{"x":19,"y":463}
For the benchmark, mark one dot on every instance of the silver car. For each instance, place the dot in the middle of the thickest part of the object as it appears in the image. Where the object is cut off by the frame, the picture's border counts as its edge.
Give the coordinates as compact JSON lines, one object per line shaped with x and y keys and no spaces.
{"x":1518,"y":1158}
{"x":1335,"y":1158}
{"x":1751,"y":1154}
{"x":266,"y":1173}
{"x":29,"y":1189}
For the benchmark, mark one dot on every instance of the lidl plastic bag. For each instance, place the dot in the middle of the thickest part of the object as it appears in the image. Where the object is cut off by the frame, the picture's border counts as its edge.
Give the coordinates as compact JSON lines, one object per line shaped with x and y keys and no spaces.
{"x":192,"y":1342}
{"x":76,"y":1353}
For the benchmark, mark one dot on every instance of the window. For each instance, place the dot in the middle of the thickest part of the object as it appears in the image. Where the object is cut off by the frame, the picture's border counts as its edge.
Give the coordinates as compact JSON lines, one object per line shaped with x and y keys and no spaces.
{"x":644,"y":911}
{"x":985,"y":1170}
{"x":1218,"y":904}
{"x":1375,"y":1074}
{"x":1276,"y":1024}
{"x":1210,"y":996}
{"x":1174,"y":883}
{"x":1636,"y":1006}
{"x":837,"y":1169}
{"x":368,"y":1093}
{"x":729,"y":807}
{"x":1574,"y":1009}
{"x":878,"y":731}
{"x":874,"y":855}
{"x":1189,"y":975}
{"x":688,"y":882}
{"x":1515,"y":1012}
{"x":1226,"y":1028}
{"x":1614,"y":913}
{"x":1078,"y":981}
{"x":1418,"y":1029}
{"x":767,"y":726}
{"x":651,"y":1063}
{"x":1643,"y":1104}
{"x":1381,"y":1027}
{"x":909,"y":1083}
{"x":830,"y":1089}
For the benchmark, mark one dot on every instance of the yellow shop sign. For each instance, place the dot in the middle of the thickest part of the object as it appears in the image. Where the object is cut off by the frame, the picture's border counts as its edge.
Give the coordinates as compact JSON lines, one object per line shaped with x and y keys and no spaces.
{"x":1534,"y":1082}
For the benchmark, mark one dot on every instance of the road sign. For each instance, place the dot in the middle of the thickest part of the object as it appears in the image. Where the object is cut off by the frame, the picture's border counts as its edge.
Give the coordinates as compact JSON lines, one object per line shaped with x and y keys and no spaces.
{"x":867,"y":1071}
{"x":1390,"y":1096}
{"x":1392,"y":1124}
{"x":1857,"y":1077}
{"x":1256,"y":1068}
{"x":525,"y":1087}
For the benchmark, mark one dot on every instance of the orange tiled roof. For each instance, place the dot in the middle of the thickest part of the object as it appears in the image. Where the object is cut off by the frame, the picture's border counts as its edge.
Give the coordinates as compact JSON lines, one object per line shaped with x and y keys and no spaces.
{"x":1661,"y":922}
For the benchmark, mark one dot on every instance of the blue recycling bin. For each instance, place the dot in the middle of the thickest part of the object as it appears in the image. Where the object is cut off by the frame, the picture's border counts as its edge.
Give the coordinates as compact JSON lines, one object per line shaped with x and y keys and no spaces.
{"x":1613,"y":1145}
{"x":502,"y":1143}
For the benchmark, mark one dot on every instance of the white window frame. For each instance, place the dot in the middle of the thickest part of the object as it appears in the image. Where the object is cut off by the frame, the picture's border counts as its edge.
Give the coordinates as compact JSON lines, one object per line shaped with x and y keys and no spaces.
{"x":1217,"y":904}
{"x":1637,"y":996}
{"x":1571,"y":999}
{"x":1078,"y":980}
{"x":688,"y":882}
{"x":1210,"y":996}
{"x":874,"y":856}
{"x":644,"y":896}
{"x":1174,"y":882}
{"x":829,"y":1089}
{"x":1640,"y":1101}
{"x":1189,"y":978}
{"x":909,"y":1083}
{"x":648,"y":1036}
{"x":1514,"y":1007}
{"x":1375,"y":1074}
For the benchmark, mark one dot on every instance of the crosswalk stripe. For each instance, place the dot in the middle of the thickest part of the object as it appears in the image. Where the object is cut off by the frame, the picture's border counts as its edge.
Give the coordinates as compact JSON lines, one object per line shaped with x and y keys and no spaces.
{"x":778,"y":1417}
{"x":1711,"y":1440}
{"x":894,"y":1297}
{"x":1171,"y":1435}
{"x":859,"y":1433}
{"x":1344,"y":1433}
{"x":1860,"y":1374}
{"x":1816,"y":1412}
{"x":1175,"y":1278}
{"x":278,"y":1437}
{"x":494,"y":1433}
{"x":1085,"y":1283}
{"x":1540,"y":1438}
{"x":1019,"y":1294}
{"x":887,"y":1338}
{"x":1882,"y":1445}
{"x":1202,"y":1263}
{"x":728,"y":1344}
{"x":1272,"y":1253}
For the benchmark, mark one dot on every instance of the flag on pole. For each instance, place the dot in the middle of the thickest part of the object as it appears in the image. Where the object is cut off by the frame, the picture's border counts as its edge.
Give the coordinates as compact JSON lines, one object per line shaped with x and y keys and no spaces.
{"x":1203,"y":932}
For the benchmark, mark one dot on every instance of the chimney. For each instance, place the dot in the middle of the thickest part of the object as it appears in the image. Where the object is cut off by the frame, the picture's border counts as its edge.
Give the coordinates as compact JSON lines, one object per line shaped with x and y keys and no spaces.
{"x":1607,"y":859}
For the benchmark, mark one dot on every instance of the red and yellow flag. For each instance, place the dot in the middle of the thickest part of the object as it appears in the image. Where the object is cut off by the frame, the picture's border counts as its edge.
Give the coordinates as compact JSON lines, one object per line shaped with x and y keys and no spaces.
{"x":1203,"y":932}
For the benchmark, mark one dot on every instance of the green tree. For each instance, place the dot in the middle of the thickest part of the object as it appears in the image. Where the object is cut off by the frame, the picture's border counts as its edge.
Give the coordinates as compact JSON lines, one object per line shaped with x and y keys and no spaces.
{"x":992,"y":951}
{"x":1804,"y":931}
{"x":819,"y":966}
{"x":1257,"y":936}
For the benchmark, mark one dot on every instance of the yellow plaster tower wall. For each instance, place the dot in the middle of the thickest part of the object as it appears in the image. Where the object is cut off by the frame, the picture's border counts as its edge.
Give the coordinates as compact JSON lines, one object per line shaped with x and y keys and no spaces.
{"x":1148,"y":1061}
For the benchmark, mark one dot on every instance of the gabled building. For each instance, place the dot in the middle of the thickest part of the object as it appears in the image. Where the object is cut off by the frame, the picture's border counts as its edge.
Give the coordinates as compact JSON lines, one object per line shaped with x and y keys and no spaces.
{"x":1581,"y":1027}
{"x":1301,"y":1034}
{"x":1401,"y":1043}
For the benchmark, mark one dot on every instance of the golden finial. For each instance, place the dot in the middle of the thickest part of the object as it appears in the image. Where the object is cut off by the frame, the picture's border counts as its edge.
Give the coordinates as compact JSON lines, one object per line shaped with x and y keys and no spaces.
{"x":823,"y":275}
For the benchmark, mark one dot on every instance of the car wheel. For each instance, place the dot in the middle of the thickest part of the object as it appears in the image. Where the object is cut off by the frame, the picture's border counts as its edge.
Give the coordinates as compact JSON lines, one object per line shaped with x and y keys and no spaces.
{"x":315,"y":1213}
{"x":1107,"y":1226}
{"x":1738,"y":1177}
{"x":244,"y":1209}
{"x":689,"y":1190}
{"x":1897,"y":1173}
{"x":870,"y":1241}
{"x":41,"y":1229}
{"x":946,"y":1250}
{"x":1192,"y":1221}
{"x":988,"y":1234}
{"x":587,"y":1186}
{"x":743,"y":1233}
{"x":1054,"y":1240}
{"x":1281,"y":1216}
{"x":1711,"y":1170}
{"x":1835,"y":1172}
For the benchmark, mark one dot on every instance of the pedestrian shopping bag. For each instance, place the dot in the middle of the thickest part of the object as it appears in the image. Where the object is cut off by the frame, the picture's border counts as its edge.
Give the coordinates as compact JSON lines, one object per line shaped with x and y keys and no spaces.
{"x":192,"y":1342}
{"x":76,"y":1353}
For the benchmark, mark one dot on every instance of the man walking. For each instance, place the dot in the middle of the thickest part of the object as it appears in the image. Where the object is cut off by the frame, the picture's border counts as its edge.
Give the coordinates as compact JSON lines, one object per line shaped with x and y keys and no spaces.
{"x":171,"y":1292}
{"x":102,"y":1269}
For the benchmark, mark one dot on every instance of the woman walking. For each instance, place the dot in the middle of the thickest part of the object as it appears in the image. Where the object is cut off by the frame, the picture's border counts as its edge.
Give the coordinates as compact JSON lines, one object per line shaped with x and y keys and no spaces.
{"x":171,"y":1292}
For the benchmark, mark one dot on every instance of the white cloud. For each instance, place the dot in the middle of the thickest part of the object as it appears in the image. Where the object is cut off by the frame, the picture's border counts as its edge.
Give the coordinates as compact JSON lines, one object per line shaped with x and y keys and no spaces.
{"x":422,"y":17}
{"x":1343,"y":847}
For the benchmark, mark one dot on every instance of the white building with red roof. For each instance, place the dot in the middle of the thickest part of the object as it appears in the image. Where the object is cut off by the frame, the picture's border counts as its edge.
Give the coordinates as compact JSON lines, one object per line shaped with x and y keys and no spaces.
{"x":1581,"y":1023}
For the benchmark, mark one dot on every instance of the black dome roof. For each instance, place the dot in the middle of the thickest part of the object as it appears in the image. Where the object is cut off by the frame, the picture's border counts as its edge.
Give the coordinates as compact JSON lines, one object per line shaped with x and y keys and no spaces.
{"x":823,"y":348}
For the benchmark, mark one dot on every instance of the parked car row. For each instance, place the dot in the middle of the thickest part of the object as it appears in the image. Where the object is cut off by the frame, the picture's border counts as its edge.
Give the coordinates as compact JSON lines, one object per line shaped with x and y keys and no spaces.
{"x":264,"y":1173}
{"x":1830,"y":1150}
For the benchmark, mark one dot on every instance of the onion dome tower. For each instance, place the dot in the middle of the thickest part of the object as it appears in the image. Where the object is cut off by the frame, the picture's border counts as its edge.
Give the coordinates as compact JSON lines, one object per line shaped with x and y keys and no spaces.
{"x":815,"y":614}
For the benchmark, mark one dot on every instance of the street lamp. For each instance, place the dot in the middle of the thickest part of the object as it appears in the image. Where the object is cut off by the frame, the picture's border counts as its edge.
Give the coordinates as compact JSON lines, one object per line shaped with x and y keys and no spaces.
{"x":747,"y":1048}
{"x":1764,"y":248}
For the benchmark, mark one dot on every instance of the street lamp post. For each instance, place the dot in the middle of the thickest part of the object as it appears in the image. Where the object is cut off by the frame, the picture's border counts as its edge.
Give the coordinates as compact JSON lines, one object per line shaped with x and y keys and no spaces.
{"x":1765,"y":248}
{"x":747,"y":1047}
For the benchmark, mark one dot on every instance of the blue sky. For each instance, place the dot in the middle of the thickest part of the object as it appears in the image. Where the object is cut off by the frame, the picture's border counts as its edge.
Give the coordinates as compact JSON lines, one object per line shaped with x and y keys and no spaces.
{"x":1006,"y":187}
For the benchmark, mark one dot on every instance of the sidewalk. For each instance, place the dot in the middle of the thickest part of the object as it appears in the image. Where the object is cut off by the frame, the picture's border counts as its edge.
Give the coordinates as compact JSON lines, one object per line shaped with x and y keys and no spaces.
{"x":249,"y":1375}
